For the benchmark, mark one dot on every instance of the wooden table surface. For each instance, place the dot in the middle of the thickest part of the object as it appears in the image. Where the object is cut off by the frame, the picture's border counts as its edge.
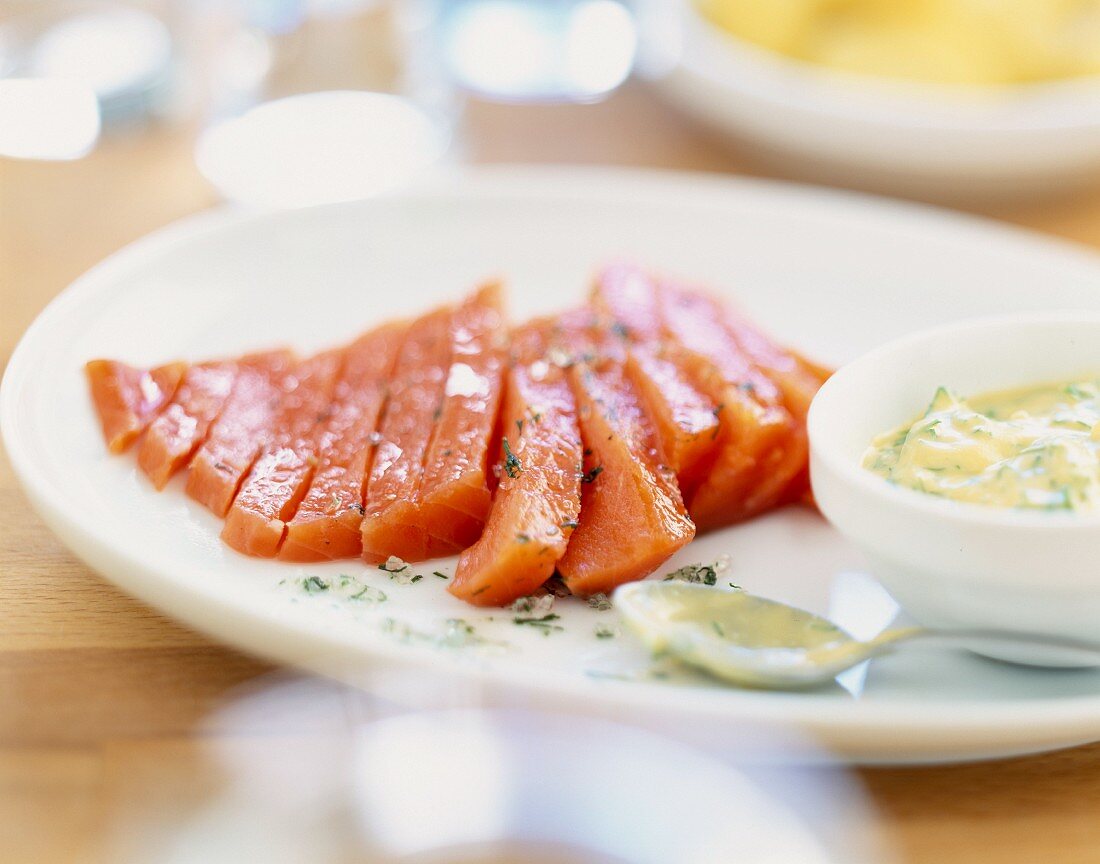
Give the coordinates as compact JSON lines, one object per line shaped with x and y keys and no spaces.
{"x":97,"y":689}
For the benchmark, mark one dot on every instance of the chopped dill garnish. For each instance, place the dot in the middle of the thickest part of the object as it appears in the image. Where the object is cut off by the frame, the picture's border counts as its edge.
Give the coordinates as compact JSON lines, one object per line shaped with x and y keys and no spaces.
{"x":440,"y":575}
{"x":533,"y":604}
{"x":602,"y":631}
{"x":599,"y":602}
{"x":370,"y":594}
{"x":512,"y":466}
{"x":393,"y":564}
{"x":523,"y":538}
{"x":313,"y":584}
{"x":590,"y":476}
{"x":717,"y":627}
{"x":570,"y":523}
{"x":519,"y":426}
{"x":543,"y":623}
{"x":699,"y":574}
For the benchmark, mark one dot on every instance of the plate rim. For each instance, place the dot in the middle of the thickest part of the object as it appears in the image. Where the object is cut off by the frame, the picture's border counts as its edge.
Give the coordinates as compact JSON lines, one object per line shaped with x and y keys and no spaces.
{"x":1055,"y":721}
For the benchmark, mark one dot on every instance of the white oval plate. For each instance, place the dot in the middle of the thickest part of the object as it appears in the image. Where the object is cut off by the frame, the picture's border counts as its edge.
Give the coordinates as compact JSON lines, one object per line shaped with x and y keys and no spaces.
{"x":831,"y":273}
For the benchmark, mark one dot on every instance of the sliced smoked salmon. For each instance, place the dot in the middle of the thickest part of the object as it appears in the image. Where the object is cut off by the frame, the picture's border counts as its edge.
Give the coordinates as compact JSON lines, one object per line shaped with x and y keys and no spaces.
{"x":241,"y":431}
{"x":687,"y":421}
{"x":454,"y":494}
{"x":535,"y":508}
{"x":632,"y":517}
{"x":593,"y":443}
{"x":269,"y":496}
{"x":761,"y":446}
{"x":181,"y":427}
{"x":798,"y":380}
{"x":127,"y":399}
{"x":685,"y":418}
{"x":328,"y":521}
{"x":391,"y":519}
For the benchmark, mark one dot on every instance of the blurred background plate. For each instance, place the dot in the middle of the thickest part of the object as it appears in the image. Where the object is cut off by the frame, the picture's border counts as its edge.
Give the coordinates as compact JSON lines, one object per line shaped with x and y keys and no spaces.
{"x":833,"y":274}
{"x":906,"y":137}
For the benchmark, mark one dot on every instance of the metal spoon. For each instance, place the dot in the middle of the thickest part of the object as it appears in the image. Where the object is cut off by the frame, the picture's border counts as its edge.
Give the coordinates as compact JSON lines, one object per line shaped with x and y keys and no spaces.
{"x":755,"y":642}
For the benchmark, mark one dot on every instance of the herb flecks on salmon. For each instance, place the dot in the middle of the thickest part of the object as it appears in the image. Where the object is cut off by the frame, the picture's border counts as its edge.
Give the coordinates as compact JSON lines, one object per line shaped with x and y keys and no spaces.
{"x":523,"y":538}
{"x":571,"y":453}
{"x":455,"y":495}
{"x":328,"y":521}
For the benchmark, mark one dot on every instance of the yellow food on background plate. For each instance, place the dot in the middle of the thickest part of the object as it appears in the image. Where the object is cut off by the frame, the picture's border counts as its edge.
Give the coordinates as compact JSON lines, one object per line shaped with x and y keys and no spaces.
{"x":962,"y":42}
{"x":1033,"y":448}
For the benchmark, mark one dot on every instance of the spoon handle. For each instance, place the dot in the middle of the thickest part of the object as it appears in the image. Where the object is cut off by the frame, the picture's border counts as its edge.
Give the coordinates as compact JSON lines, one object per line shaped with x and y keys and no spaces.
{"x":1063,"y":643}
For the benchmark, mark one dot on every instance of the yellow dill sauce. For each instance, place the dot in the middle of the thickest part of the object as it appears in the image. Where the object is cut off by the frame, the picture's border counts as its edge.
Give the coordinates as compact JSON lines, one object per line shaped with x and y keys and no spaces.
{"x":1031,"y":448}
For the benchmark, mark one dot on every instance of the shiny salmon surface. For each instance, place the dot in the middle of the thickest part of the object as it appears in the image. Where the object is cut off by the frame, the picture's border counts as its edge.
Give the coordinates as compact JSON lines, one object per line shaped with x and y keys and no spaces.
{"x":328,"y":521}
{"x":180,"y":429}
{"x":454,"y":493}
{"x":536,"y":506}
{"x":591,"y":443}
{"x":391,"y":524}
{"x":240,"y":433}
{"x":277,"y":482}
{"x":127,"y":399}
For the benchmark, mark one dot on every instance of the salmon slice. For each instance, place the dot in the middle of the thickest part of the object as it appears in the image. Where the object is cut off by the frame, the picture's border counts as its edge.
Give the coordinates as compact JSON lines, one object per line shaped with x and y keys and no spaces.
{"x":761,"y":447}
{"x":179,"y":430}
{"x":240,"y":432}
{"x":536,"y":506}
{"x":454,"y":493}
{"x":328,"y":521}
{"x":256,"y":522}
{"x":686,"y":420}
{"x":391,"y":520}
{"x":127,"y":399}
{"x":798,"y":378}
{"x":632,"y":518}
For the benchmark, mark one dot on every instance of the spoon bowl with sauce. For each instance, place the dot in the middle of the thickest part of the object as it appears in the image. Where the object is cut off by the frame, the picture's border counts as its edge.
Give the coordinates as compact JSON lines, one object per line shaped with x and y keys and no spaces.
{"x":977,"y":511}
{"x":752,"y":641}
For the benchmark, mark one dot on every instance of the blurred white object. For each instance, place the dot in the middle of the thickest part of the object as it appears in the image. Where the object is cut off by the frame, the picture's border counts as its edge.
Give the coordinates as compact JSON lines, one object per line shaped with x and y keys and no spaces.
{"x":320,"y":147}
{"x":577,"y":51}
{"x":124,"y":55}
{"x":476,"y":785}
{"x":321,"y":101}
{"x":890,"y":136}
{"x":47,"y":118}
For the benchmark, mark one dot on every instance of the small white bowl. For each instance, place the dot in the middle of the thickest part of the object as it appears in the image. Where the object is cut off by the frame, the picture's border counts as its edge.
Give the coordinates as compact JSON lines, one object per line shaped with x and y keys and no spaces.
{"x":953,"y":564}
{"x":919,"y":139}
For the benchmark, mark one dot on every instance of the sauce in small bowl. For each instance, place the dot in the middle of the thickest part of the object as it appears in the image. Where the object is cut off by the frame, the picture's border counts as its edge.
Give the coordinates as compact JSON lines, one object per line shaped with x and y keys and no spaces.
{"x":961,"y":547}
{"x":1035,"y":448}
